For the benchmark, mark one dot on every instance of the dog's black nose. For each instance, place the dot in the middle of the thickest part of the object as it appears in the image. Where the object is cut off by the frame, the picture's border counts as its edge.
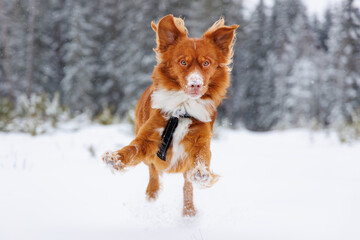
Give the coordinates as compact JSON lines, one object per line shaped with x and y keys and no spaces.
{"x":195,"y":86}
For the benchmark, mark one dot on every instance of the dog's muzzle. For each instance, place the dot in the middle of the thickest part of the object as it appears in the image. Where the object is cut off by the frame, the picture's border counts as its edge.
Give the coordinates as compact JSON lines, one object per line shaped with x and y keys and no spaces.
{"x":195,"y":84}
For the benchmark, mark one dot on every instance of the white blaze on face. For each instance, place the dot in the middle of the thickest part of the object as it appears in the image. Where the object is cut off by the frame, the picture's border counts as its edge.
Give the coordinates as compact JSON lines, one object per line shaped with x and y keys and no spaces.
{"x":195,"y":78}
{"x":195,"y":83}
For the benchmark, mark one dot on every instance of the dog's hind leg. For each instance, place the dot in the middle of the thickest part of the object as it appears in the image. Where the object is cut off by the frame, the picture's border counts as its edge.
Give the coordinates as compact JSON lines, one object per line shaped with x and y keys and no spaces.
{"x":189,"y":208}
{"x":153,"y":187}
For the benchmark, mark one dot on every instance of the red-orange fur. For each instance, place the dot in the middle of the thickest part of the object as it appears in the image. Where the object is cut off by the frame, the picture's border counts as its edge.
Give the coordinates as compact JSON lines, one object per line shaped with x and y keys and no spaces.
{"x":173,"y":45}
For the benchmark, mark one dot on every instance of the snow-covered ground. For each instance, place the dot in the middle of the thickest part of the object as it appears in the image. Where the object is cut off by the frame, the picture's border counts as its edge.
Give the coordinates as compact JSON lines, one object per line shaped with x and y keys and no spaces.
{"x":279,"y":185}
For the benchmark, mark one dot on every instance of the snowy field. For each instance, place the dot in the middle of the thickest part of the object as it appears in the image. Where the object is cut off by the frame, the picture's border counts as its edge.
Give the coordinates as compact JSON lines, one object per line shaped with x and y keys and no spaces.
{"x":279,"y":185}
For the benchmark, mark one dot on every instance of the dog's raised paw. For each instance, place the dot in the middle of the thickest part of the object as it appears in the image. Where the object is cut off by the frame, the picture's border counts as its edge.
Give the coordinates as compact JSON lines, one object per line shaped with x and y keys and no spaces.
{"x":202,"y":177}
{"x":113,"y":160}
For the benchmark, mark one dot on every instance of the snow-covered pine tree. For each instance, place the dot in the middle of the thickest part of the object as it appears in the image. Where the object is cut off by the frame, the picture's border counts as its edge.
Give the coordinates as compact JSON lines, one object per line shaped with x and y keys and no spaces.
{"x":195,"y":12}
{"x":344,"y":51}
{"x":290,"y":33}
{"x":80,"y":58}
{"x":260,"y":90}
{"x":232,"y":108}
{"x":302,"y":80}
{"x":6,"y":85}
{"x":29,"y":74}
{"x":51,"y":34}
{"x":351,"y":44}
{"x":143,"y":59}
{"x":127,"y":52}
{"x":109,"y":86}
{"x":323,"y":29}
{"x":279,"y":36}
{"x":325,"y":94}
{"x":17,"y":16}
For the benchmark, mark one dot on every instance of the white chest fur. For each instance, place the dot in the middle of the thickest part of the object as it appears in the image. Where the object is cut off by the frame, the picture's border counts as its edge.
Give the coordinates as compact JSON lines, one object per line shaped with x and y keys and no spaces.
{"x":176,"y":103}
{"x":178,"y":151}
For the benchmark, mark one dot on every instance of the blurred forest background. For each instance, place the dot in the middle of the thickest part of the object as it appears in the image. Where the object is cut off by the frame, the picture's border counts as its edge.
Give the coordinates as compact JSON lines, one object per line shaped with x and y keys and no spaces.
{"x":60,"y":59}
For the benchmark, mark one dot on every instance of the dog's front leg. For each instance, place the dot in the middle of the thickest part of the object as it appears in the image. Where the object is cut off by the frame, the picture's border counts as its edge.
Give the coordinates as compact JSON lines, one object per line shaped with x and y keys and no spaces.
{"x":121,"y":158}
{"x":144,"y":144}
{"x":199,"y":170}
{"x":130,"y":155}
{"x":198,"y":173}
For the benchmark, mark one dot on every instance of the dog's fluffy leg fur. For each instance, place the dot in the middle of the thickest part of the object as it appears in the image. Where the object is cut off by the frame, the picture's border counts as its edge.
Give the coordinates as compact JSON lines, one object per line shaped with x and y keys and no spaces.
{"x":121,"y":159}
{"x":113,"y":161}
{"x":154,"y":185}
{"x":199,"y":172}
{"x":201,"y":176}
{"x":146,"y":141}
{"x":189,"y":208}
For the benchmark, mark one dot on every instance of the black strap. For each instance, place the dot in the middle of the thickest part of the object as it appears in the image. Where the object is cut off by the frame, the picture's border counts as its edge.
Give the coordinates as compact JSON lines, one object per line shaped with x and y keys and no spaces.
{"x":167,"y":135}
{"x":185,"y":116}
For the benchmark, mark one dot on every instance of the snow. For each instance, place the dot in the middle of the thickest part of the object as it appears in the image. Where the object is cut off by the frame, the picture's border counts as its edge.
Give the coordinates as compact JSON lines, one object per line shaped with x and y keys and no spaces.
{"x":279,"y":185}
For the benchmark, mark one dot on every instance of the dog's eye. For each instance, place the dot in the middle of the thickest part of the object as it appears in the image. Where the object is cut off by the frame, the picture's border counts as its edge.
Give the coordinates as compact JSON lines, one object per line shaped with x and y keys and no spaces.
{"x":206,"y":63}
{"x":182,"y":62}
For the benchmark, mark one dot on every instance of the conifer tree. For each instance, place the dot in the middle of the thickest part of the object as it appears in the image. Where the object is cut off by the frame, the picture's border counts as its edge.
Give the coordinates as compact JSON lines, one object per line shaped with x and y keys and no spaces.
{"x":80,"y":58}
{"x":258,"y":115}
{"x":344,"y":49}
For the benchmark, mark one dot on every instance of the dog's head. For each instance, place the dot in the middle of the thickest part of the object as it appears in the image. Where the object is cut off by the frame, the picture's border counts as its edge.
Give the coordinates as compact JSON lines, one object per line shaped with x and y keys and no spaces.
{"x":197,"y":66}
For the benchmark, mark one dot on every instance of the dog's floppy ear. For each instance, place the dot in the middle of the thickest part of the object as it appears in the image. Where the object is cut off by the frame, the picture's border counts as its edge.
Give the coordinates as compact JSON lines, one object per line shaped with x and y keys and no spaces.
{"x":222,"y":36}
{"x":168,"y":31}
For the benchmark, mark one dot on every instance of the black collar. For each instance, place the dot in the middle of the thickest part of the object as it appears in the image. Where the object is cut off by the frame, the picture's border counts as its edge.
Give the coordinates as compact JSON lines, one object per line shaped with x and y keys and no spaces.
{"x":186,"y":115}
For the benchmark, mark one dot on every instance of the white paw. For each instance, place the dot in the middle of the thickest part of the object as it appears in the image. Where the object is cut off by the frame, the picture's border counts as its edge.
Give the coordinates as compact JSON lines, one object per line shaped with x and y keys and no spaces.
{"x":113,"y":161}
{"x":201,"y":176}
